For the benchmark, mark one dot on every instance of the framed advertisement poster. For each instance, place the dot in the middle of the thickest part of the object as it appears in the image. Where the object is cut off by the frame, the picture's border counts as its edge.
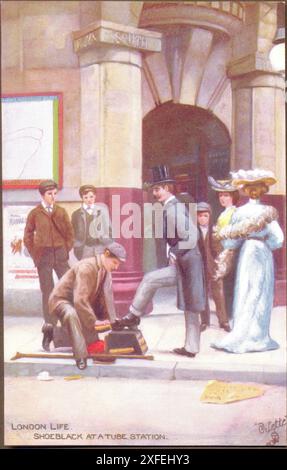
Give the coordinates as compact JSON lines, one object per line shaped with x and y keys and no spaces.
{"x":31,"y":139}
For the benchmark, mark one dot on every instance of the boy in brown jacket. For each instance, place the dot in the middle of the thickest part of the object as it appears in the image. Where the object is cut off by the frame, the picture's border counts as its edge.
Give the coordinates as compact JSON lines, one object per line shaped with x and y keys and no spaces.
{"x":48,"y":238}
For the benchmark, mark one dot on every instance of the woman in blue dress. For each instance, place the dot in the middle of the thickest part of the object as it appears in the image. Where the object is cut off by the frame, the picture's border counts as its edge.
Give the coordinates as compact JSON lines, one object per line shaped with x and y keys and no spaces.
{"x":254,"y":231}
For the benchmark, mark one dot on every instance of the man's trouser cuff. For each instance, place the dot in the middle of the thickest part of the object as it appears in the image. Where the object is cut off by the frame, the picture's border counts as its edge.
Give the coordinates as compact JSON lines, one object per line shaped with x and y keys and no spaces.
{"x":135,"y":312}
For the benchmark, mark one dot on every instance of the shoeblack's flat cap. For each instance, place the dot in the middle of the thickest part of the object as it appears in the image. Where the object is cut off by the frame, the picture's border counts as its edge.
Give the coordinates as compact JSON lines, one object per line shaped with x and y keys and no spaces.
{"x":117,"y":250}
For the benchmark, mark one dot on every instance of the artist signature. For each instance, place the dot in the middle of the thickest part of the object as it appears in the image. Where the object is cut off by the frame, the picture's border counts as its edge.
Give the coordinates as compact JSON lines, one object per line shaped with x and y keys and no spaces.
{"x":274,"y":439}
{"x":272,"y":427}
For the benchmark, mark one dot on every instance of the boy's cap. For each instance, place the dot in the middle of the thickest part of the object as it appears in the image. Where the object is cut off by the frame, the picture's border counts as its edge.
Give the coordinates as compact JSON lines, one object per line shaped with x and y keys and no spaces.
{"x":87,"y":187}
{"x":203,"y":207}
{"x":47,"y":185}
{"x":117,"y":250}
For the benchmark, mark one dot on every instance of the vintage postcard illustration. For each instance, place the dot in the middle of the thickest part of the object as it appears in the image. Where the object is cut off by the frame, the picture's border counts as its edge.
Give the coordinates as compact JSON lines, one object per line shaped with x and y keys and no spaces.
{"x":144,"y":223}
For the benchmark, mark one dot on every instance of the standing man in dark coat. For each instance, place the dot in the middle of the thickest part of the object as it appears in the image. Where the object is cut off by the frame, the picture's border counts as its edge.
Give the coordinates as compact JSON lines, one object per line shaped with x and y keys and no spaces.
{"x":48,"y":238}
{"x":91,"y":224}
{"x":185,"y":266}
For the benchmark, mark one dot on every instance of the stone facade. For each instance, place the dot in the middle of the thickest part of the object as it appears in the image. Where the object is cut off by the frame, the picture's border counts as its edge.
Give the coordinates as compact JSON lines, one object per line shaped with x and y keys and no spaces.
{"x":117,"y":61}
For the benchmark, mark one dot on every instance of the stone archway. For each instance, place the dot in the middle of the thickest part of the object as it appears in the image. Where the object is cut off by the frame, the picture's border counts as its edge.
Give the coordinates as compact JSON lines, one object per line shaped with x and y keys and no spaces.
{"x":193,"y":143}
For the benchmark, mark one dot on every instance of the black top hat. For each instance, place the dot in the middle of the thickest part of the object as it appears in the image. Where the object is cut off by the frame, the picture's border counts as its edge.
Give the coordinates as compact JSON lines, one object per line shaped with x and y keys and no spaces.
{"x":160,"y":175}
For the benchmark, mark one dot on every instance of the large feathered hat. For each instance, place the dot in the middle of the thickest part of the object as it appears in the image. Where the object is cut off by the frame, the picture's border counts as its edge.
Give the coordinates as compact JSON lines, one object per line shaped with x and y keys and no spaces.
{"x":222,"y":185}
{"x":242,"y":177}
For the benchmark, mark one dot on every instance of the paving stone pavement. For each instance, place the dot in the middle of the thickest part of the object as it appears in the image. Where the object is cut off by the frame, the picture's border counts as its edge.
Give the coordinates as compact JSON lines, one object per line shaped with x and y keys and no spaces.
{"x":163,"y":331}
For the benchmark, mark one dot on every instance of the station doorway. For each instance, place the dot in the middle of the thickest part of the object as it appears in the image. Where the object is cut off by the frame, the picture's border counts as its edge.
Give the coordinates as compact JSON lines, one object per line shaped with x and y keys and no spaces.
{"x":194,"y":144}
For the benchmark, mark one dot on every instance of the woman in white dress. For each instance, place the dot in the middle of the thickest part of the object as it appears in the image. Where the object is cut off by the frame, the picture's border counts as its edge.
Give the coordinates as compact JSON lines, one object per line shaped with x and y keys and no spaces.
{"x":254,"y":231}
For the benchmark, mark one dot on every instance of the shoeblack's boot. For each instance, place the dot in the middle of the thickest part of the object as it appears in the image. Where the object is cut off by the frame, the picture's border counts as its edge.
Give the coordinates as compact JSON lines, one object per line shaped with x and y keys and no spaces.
{"x":81,"y":363}
{"x":47,"y":331}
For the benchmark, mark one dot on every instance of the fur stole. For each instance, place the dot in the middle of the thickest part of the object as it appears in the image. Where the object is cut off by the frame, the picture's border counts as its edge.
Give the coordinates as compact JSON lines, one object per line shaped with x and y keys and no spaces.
{"x":224,"y":263}
{"x":247,"y":226}
{"x":225,"y":260}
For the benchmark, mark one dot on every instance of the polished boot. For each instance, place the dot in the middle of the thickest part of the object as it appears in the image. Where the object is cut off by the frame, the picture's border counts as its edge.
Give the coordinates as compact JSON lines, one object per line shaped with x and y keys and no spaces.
{"x":47,"y":331}
{"x":183,"y":352}
{"x":129,"y":321}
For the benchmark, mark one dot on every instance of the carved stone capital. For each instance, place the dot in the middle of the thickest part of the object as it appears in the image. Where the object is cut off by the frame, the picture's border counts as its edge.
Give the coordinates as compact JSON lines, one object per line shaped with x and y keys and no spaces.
{"x":118,"y":35}
{"x":255,"y":62}
{"x":259,"y":79}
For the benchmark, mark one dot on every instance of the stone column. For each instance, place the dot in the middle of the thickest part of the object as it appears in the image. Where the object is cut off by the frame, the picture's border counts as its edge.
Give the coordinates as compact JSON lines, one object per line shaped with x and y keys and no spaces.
{"x":258,"y":141}
{"x":110,"y":58}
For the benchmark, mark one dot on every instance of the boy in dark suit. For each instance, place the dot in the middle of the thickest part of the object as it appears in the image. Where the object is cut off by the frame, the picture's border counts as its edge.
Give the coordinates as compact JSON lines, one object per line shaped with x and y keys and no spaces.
{"x":91,"y":224}
{"x":208,"y":251}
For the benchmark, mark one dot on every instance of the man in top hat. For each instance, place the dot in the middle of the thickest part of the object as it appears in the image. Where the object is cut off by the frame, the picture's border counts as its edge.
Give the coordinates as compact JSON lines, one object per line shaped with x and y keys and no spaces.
{"x":83,"y":295}
{"x":48,"y":238}
{"x":228,"y":196}
{"x":91,"y":224}
{"x":207,"y":249}
{"x":185,"y":266}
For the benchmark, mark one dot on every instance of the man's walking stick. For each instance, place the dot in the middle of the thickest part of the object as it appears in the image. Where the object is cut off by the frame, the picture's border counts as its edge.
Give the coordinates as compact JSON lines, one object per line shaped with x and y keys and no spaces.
{"x":102,"y":357}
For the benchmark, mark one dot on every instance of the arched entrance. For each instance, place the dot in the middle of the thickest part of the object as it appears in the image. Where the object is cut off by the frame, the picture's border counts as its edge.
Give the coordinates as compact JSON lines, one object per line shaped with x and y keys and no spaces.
{"x":194,"y":143}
